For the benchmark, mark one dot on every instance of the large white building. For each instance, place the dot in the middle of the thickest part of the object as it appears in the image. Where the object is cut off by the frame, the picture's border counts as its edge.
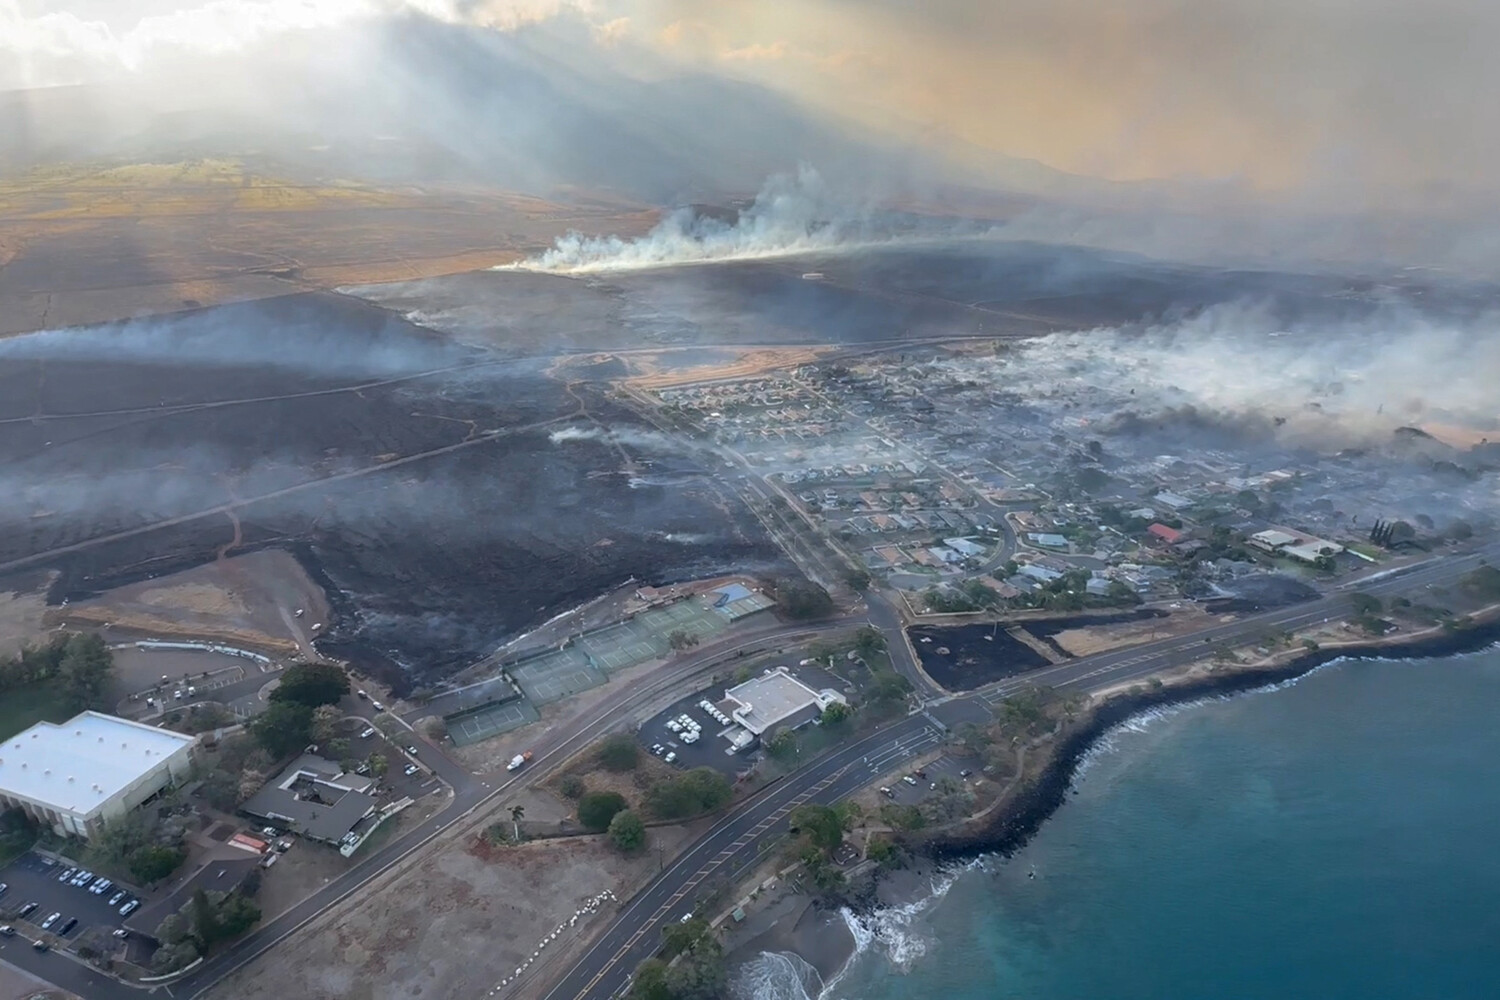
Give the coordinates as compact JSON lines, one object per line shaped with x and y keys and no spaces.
{"x":90,"y":770}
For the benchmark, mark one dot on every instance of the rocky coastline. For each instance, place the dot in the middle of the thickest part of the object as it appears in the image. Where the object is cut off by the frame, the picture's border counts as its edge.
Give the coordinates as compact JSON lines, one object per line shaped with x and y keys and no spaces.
{"x":1007,"y":827}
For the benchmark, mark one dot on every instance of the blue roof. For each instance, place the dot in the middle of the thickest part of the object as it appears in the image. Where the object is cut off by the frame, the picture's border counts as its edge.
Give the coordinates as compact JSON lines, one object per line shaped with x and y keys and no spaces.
{"x":732,"y":592}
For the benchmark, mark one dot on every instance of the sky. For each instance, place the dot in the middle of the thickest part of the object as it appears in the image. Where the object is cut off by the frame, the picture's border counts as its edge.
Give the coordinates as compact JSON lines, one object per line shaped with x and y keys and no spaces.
{"x":1379,"y":105}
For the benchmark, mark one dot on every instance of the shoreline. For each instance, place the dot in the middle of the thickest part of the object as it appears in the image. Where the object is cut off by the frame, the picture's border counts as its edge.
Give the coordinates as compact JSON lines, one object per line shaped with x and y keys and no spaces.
{"x":1014,"y":820}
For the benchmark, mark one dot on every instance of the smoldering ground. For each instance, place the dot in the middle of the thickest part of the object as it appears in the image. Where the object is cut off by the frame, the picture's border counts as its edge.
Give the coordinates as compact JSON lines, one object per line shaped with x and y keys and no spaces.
{"x":302,"y":413}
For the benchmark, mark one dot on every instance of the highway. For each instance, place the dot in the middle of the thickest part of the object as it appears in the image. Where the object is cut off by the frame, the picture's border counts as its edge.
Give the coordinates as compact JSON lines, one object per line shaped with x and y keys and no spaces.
{"x":470,"y":793}
{"x":732,"y":845}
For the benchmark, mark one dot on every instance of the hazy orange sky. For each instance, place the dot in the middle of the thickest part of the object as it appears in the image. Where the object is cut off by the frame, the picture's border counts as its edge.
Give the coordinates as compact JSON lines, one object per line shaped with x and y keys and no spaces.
{"x":1353,"y":102}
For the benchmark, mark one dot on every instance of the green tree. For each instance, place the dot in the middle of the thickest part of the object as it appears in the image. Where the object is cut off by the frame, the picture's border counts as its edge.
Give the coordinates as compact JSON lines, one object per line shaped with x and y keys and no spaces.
{"x":682,"y":936}
{"x":85,"y":670}
{"x":835,"y":714}
{"x":237,"y":914}
{"x":325,"y":723}
{"x":597,"y":809}
{"x":803,"y":600}
{"x":650,"y":981}
{"x":205,"y":920}
{"x":312,"y":684}
{"x":858,"y":580}
{"x":571,"y":785}
{"x":619,"y":752}
{"x":821,"y":825}
{"x":1365,"y":604}
{"x":627,"y":831}
{"x":700,"y":790}
{"x":869,"y":642}
{"x":679,"y":639}
{"x":378,"y":764}
{"x":283,"y":728}
{"x":154,"y":862}
{"x":517,"y":813}
{"x":699,"y":975}
{"x":783,"y":745}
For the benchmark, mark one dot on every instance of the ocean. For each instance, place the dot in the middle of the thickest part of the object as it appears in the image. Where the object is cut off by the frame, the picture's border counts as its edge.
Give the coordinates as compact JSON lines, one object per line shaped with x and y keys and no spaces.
{"x":1332,"y":837}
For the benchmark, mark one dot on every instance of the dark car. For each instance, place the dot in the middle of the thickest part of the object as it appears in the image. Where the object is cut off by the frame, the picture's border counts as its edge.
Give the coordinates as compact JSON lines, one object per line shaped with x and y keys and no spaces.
{"x":63,"y":930}
{"x":28,"y":909}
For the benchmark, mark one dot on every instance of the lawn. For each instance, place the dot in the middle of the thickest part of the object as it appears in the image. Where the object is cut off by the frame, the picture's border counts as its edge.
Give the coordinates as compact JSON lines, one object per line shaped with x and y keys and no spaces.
{"x":22,"y":706}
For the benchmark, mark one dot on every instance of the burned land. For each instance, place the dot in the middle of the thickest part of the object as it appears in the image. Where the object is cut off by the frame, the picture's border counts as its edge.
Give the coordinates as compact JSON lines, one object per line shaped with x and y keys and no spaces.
{"x":445,"y":497}
{"x":448,"y":457}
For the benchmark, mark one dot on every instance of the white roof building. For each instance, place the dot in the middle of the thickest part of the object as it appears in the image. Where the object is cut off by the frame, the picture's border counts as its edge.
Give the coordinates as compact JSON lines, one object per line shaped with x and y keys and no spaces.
{"x":777,"y":697}
{"x":92,"y":769}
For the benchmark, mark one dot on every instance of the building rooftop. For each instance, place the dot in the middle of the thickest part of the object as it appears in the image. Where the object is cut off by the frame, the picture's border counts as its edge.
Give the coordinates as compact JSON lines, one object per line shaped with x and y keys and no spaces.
{"x":315,"y":798}
{"x":774,"y":697}
{"x":81,"y":764}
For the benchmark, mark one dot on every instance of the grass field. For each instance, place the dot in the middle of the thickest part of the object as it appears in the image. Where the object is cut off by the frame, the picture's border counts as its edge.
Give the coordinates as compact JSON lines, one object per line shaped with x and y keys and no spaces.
{"x":24,"y":706}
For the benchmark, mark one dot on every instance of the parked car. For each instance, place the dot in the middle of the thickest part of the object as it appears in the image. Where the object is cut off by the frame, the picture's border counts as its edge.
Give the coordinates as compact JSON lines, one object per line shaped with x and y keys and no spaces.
{"x":121,"y":933}
{"x":410,"y":769}
{"x":270,"y":831}
{"x":47,"y":924}
{"x":102,"y":886}
{"x":3,"y":887}
{"x":412,"y":750}
{"x":888,"y":793}
{"x":6,"y":930}
{"x":670,"y":757}
{"x":908,"y":779}
{"x":67,"y":875}
{"x":965,"y":773}
{"x":369,"y":731}
{"x":71,"y":923}
{"x":129,"y":907}
{"x":28,"y":910}
{"x":117,"y":898}
{"x":377,"y":706}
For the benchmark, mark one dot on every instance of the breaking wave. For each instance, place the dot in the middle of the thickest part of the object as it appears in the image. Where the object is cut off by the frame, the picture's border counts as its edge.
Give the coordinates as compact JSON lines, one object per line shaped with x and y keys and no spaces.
{"x":790,"y":216}
{"x":777,"y":975}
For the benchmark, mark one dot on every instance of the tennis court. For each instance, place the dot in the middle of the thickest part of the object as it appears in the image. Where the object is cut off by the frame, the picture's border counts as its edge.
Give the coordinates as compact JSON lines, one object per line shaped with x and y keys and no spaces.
{"x":647,"y":636}
{"x":553,"y":676}
{"x":491,"y":720}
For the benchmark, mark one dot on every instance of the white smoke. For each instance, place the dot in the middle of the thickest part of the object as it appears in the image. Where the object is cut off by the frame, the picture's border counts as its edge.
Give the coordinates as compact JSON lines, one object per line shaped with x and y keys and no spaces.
{"x":48,"y":43}
{"x":1354,"y":377}
{"x":792,"y":215}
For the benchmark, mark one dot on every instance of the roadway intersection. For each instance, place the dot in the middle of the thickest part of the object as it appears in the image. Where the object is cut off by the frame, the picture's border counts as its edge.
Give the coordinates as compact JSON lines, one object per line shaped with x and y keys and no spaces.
{"x":732,"y":845}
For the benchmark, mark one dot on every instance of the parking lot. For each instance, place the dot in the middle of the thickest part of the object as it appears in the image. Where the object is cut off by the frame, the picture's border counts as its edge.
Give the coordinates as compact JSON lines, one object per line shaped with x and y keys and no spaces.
{"x":31,"y":879}
{"x":909,"y":793}
{"x":709,"y":750}
{"x":396,"y":784}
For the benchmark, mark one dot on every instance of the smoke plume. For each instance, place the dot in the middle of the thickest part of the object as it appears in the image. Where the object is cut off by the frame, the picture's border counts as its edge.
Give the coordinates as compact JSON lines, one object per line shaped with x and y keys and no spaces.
{"x":792,"y":215}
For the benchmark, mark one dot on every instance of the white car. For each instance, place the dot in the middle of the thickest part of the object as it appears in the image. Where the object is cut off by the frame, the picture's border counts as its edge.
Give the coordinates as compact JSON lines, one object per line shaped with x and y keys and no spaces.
{"x":410,"y":770}
{"x":670,"y":757}
{"x":674,"y":725}
{"x":367,"y":733}
{"x":690,"y":738}
{"x":130,"y":907}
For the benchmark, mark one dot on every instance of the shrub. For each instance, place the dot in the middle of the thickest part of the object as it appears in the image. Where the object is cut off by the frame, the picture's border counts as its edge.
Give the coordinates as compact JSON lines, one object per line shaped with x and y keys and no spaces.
{"x":619,"y":752}
{"x":571,"y":785}
{"x":699,"y":790}
{"x":627,"y":831}
{"x":597,"y":809}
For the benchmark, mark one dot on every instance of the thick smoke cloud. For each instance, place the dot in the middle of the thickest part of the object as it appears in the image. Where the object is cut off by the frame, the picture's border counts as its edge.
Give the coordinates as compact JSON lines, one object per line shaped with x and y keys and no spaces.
{"x":790,"y":216}
{"x":1328,"y":383}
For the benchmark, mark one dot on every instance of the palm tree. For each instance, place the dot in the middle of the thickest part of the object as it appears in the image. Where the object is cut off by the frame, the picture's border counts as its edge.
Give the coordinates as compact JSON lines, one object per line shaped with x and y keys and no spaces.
{"x":516,"y":812}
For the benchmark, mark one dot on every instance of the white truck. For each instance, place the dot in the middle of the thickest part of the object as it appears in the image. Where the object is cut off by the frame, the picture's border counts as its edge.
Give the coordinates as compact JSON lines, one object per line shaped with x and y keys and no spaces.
{"x":518,"y":760}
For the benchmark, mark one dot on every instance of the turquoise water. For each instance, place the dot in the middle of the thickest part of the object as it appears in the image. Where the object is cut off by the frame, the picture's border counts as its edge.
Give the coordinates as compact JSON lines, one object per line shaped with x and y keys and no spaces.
{"x":1337,"y":837}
